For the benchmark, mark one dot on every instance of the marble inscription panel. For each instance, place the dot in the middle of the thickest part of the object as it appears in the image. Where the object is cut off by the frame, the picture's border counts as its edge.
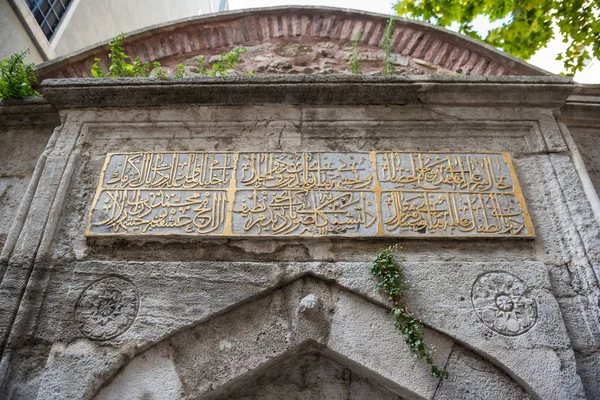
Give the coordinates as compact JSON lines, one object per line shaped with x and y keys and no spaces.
{"x":309,"y":194}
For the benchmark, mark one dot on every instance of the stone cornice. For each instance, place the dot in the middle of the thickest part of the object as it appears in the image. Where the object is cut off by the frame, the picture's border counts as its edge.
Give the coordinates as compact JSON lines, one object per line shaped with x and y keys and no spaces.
{"x":542,"y":91}
{"x":28,"y":112}
{"x":437,"y":46}
{"x":582,"y":108}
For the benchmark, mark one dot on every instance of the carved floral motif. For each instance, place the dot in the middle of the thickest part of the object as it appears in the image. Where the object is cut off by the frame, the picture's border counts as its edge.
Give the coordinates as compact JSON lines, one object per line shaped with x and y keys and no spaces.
{"x":502,"y":303}
{"x":107,"y":308}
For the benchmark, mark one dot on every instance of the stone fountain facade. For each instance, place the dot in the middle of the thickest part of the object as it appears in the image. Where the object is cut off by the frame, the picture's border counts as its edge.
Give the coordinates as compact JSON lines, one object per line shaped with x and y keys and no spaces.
{"x":211,"y":238}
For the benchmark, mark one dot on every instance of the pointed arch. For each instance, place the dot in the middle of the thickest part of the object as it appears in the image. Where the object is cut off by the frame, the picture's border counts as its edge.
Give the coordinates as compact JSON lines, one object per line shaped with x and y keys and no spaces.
{"x":307,"y":316}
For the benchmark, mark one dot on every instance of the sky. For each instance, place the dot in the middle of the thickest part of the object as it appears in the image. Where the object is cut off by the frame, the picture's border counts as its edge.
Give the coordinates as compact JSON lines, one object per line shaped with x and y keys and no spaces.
{"x":545,"y":58}
{"x":378,"y":6}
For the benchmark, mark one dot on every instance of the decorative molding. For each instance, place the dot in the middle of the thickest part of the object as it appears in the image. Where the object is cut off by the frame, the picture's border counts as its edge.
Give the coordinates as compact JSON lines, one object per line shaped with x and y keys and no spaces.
{"x":454,"y":90}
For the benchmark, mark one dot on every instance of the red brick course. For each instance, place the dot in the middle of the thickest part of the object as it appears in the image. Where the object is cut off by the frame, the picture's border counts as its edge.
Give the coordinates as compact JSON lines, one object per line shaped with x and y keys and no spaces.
{"x":435,"y":50}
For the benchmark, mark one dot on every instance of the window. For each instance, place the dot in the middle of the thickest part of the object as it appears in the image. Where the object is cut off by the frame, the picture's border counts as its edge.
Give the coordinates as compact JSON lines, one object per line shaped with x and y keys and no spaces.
{"x":48,"y":13}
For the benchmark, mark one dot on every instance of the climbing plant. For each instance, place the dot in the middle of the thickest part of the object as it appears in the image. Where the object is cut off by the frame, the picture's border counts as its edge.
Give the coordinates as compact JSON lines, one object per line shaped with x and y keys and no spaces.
{"x":16,"y":77}
{"x":121,"y":68}
{"x":392,"y":283}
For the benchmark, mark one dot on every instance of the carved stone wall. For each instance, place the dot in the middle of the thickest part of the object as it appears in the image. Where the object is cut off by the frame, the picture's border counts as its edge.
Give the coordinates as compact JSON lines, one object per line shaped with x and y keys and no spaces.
{"x":587,"y":140}
{"x":24,"y":134}
{"x":219,"y":317}
{"x":20,"y":149}
{"x":582,"y":117}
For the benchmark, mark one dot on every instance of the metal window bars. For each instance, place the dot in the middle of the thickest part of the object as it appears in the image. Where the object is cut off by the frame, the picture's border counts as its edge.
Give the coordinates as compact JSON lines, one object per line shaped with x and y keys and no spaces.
{"x":48,"y":13}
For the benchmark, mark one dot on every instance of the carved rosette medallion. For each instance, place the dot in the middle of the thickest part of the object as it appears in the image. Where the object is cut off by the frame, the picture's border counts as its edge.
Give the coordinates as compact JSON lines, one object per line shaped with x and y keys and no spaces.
{"x":107,"y":308}
{"x":502,"y":303}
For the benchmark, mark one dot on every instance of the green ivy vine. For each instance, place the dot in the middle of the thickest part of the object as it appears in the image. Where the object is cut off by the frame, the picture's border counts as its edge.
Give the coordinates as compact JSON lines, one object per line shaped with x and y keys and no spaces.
{"x":393,"y":284}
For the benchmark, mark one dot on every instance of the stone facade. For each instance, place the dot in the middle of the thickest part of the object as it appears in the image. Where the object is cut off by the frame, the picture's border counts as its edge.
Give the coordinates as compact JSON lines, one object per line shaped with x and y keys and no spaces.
{"x":173,"y":317}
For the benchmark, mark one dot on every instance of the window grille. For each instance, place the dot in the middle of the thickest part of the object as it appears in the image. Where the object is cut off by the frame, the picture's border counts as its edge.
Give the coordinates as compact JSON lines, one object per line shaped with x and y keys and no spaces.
{"x":48,"y":13}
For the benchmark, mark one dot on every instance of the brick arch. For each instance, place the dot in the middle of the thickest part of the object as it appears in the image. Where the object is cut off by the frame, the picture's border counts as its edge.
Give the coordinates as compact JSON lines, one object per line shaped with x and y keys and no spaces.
{"x":437,"y":47}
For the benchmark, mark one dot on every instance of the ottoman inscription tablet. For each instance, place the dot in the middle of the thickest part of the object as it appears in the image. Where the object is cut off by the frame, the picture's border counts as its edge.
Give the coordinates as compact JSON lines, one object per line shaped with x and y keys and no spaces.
{"x":309,"y":194}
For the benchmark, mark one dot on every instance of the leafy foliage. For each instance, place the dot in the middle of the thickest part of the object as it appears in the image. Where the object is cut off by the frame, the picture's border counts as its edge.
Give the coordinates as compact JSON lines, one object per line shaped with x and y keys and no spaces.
{"x":16,"y":77}
{"x":388,"y":64}
{"x":160,"y":74}
{"x":120,"y":68}
{"x":97,"y":70}
{"x":180,"y":71}
{"x":225,"y":65}
{"x":143,"y":70}
{"x":527,"y":25}
{"x":393,"y":284}
{"x":354,"y":60}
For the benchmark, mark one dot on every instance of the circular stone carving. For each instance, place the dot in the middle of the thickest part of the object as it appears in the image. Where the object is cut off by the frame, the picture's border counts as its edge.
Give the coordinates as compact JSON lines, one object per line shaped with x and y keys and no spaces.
{"x":107,"y":308}
{"x":502,"y":304}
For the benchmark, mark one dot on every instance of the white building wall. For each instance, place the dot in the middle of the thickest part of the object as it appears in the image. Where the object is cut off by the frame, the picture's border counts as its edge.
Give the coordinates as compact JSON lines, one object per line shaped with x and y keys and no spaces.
{"x":13,"y":36}
{"x":88,"y":21}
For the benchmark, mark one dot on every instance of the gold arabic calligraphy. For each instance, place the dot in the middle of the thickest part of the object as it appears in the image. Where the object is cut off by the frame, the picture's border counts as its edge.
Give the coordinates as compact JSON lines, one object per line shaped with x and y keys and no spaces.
{"x":309,"y":194}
